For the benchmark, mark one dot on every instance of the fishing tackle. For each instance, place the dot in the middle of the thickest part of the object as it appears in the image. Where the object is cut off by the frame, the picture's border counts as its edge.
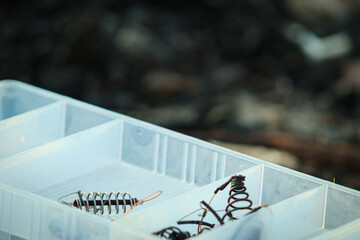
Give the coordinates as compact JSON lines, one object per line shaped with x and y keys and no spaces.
{"x":201,"y":222}
{"x":98,"y":201}
{"x":238,"y":197}
{"x":238,"y":200}
{"x":172,"y":233}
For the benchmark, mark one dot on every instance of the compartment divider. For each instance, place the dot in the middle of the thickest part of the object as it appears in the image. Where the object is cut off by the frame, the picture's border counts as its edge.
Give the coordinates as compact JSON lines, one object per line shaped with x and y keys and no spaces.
{"x":262,"y":183}
{"x":63,"y":121}
{"x":156,"y":152}
{"x":191,"y":165}
{"x":161,"y":167}
{"x":325,"y":205}
{"x":214,"y":161}
{"x":221,"y":168}
{"x":185,"y":162}
{"x":120,"y":139}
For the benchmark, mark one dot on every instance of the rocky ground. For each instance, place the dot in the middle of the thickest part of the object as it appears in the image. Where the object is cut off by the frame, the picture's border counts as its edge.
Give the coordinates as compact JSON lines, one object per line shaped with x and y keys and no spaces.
{"x":253,"y":75}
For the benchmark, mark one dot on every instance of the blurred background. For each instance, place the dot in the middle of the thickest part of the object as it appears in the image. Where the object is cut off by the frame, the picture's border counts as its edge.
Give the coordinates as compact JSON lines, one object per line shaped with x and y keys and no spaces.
{"x":276,"y":79}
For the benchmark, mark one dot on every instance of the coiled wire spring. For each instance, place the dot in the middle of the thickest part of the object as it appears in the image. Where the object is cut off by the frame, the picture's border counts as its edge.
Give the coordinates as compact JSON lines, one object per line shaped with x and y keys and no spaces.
{"x":238,"y":197}
{"x":98,"y":201}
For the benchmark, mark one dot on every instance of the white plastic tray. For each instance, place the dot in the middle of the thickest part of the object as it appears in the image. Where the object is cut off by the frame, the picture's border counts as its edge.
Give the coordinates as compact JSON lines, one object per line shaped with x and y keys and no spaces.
{"x":52,"y":145}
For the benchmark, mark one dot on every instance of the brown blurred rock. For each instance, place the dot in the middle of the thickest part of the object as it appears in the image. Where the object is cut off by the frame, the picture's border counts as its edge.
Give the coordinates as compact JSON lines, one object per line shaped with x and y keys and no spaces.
{"x":226,"y":76}
{"x":168,"y":83}
{"x":252,"y":112}
{"x":350,"y":80}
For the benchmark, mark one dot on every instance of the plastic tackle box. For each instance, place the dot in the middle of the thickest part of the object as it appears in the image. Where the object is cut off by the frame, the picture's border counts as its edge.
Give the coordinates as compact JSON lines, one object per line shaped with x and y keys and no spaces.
{"x":52,"y":145}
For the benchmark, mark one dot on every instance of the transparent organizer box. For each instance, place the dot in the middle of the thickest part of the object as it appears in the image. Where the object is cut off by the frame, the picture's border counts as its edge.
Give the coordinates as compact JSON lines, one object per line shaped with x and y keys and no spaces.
{"x":52,"y":145}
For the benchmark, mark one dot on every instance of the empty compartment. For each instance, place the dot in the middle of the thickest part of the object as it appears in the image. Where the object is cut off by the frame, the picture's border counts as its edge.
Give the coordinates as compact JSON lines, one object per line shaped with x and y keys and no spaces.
{"x":341,"y":216}
{"x":298,"y":216}
{"x":279,"y":185}
{"x":63,"y":159}
{"x":169,"y":212}
{"x":342,"y":207}
{"x":16,"y":99}
{"x":31,"y":129}
{"x":43,"y":125}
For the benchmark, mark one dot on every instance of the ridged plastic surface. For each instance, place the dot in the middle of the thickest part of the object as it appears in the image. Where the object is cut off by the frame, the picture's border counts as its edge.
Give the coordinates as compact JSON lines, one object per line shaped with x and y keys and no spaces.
{"x":52,"y":145}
